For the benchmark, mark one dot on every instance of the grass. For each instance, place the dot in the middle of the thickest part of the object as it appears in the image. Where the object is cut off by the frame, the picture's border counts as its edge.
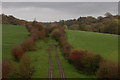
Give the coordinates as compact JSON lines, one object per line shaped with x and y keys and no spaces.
{"x":11,"y":36}
{"x":99,"y":43}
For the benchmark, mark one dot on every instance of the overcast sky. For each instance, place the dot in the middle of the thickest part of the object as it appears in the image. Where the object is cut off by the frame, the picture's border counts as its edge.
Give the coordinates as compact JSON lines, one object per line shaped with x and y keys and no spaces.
{"x":55,"y":11}
{"x":60,"y":0}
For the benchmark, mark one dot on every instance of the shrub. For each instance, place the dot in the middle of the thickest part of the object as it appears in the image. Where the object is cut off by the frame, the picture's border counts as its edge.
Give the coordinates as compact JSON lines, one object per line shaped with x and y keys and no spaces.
{"x":6,"y":68}
{"x":65,"y":46}
{"x":90,"y":63}
{"x":85,"y":61}
{"x":28,"y":26}
{"x":37,"y":25}
{"x":57,"y":33}
{"x":66,"y":50}
{"x":76,"y":57}
{"x":42,"y":34}
{"x":107,"y":69}
{"x":62,"y":41}
{"x":48,"y":30}
{"x":25,"y":68}
{"x":28,"y":44}
{"x":17,"y":52}
{"x":36,"y":34}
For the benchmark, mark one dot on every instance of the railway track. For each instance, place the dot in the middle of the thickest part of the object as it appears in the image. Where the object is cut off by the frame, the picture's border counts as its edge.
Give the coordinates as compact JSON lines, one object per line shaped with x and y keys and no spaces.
{"x":58,"y":61}
{"x":50,"y":73}
{"x":61,"y":69}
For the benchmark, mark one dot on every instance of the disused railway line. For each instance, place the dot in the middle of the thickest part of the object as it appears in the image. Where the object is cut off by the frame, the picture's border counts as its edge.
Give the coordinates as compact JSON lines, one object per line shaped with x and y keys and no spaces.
{"x":50,"y":72}
{"x":58,"y":61}
{"x":61,"y":69}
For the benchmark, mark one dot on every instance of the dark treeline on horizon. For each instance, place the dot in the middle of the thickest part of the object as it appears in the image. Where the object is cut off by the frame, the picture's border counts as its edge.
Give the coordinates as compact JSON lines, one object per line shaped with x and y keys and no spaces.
{"x":107,"y":24}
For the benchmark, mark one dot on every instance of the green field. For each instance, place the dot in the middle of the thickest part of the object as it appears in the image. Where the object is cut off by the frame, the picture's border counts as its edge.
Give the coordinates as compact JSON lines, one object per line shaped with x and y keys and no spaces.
{"x":11,"y":36}
{"x":103,"y":44}
{"x":99,"y":43}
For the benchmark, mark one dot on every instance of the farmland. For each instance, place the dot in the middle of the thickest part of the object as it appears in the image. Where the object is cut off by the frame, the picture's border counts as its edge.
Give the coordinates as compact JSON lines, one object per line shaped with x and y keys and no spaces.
{"x":11,"y":36}
{"x":99,"y":43}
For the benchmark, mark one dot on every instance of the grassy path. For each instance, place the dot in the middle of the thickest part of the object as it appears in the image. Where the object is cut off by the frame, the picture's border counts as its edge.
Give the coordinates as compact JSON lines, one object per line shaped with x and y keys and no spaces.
{"x":50,"y":72}
{"x":57,"y":61}
{"x":61,"y":69}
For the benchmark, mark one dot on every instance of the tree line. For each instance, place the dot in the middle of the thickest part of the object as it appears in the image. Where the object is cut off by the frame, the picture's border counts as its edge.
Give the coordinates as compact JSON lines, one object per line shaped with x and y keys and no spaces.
{"x":108,"y":24}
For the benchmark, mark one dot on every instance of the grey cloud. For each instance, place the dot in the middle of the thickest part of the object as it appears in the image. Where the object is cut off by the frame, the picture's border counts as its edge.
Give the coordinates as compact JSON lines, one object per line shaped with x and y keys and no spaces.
{"x":58,"y":10}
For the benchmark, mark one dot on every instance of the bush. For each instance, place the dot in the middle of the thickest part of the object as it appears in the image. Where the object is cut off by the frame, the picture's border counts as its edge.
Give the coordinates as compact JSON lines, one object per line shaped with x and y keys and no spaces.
{"x":62,"y":41}
{"x":6,"y":68}
{"x":17,"y":52}
{"x":76,"y":57}
{"x":57,"y":33}
{"x":66,"y":50}
{"x":90,"y":63}
{"x":28,"y":26}
{"x":48,"y":30}
{"x":28,"y":44}
{"x":85,"y":61}
{"x":42,"y":34}
{"x":107,"y":69}
{"x":36,"y":34}
{"x":37,"y":25}
{"x":25,"y":68}
{"x":65,"y":46}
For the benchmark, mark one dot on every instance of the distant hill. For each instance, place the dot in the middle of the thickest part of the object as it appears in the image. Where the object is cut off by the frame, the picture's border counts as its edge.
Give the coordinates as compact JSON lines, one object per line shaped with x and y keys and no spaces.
{"x":11,"y":20}
{"x":108,"y":24}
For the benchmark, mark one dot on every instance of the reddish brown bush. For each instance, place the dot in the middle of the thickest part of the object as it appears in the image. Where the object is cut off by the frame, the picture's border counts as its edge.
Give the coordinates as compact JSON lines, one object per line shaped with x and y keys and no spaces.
{"x":25,"y":68}
{"x":17,"y":52}
{"x":85,"y":61}
{"x":66,"y":50}
{"x":48,"y":30}
{"x":28,"y":44}
{"x":76,"y":57}
{"x":36,"y":34}
{"x":65,"y":46}
{"x":28,"y":26}
{"x":90,"y":63}
{"x":62,"y":41}
{"x":6,"y":69}
{"x":107,"y":69}
{"x":37,"y":25}
{"x":56,"y":34}
{"x":42,"y":34}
